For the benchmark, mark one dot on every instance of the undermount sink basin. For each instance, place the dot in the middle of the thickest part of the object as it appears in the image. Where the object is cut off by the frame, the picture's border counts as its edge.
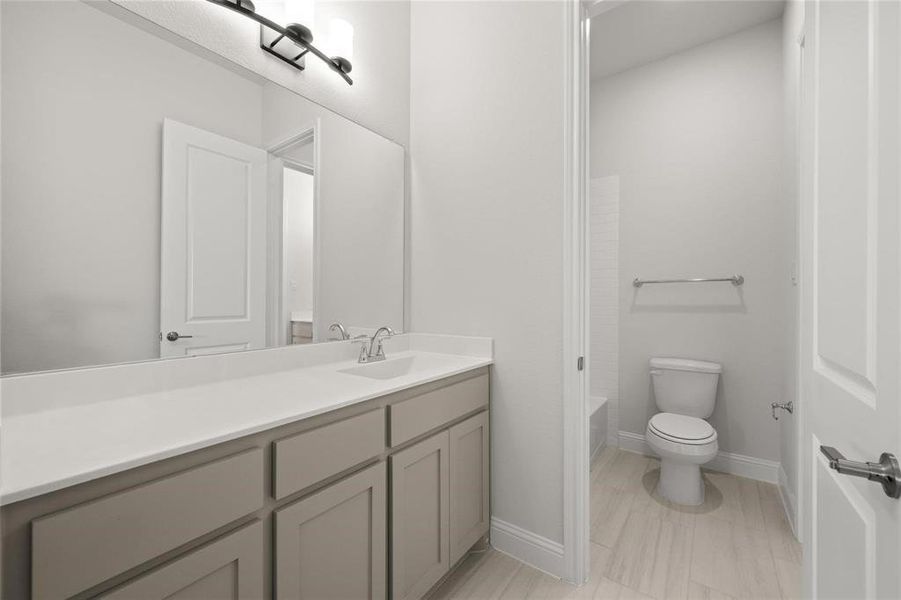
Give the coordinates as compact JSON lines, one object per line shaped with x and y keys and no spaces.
{"x":386,"y":369}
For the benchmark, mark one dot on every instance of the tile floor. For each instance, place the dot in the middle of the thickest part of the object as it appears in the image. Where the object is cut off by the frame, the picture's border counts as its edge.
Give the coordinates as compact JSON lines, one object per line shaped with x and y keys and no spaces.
{"x":738,"y":544}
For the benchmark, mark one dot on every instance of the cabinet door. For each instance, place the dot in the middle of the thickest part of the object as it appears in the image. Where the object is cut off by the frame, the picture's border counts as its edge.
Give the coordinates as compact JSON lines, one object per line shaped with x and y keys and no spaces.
{"x":230,"y":567}
{"x":419,"y":505}
{"x":469,"y":484}
{"x":332,"y":544}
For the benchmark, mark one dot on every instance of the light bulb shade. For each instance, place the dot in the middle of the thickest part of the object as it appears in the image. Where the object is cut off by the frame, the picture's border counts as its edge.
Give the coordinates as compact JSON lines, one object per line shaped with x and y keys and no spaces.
{"x":339,"y":41}
{"x":283,"y":12}
{"x":300,"y":11}
{"x":274,"y":10}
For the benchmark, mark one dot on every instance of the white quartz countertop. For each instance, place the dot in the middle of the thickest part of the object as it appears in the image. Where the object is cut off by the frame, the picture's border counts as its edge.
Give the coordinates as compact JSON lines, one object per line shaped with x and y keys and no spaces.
{"x":48,"y":450}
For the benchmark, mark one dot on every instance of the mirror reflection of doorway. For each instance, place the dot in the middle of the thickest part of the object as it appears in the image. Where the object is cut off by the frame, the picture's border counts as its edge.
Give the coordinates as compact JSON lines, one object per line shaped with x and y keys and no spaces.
{"x":296,"y":162}
{"x":298,"y":189}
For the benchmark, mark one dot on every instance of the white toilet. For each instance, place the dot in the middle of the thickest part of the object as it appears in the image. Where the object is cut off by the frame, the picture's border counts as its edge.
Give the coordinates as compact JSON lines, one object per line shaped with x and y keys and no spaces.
{"x":685,"y":391}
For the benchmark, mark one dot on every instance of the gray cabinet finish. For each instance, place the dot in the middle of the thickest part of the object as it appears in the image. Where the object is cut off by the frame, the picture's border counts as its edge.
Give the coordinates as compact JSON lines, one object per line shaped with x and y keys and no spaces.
{"x":469,"y":484}
{"x":332,"y":545}
{"x":229,"y":568}
{"x":419,"y":517}
{"x":121,"y":531}
{"x":415,"y":417}
{"x":304,"y":459}
{"x":162,"y":520}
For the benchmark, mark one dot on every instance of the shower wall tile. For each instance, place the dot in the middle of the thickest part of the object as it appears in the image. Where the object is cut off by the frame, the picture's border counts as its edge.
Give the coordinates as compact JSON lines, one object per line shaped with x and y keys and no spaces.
{"x":604,"y":220}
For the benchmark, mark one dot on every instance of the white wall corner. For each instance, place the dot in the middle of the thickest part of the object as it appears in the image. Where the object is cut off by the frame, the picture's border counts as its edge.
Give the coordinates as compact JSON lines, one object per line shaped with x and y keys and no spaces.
{"x":596,"y":451}
{"x":789,"y":501}
{"x":543,"y":554}
{"x":613,"y":423}
{"x":749,"y":467}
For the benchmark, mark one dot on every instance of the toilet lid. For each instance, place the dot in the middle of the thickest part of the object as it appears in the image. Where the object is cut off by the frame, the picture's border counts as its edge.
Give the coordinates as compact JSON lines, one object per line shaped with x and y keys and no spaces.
{"x":681,"y":428}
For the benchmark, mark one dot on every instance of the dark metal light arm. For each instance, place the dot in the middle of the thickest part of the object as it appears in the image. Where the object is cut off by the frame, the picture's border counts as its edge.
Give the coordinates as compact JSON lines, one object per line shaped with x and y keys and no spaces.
{"x":298,"y":34}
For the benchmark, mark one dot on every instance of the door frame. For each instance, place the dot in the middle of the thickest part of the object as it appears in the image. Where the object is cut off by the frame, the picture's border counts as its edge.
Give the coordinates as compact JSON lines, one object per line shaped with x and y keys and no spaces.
{"x":576,"y":290}
{"x":803,"y":236}
{"x":277,"y":313}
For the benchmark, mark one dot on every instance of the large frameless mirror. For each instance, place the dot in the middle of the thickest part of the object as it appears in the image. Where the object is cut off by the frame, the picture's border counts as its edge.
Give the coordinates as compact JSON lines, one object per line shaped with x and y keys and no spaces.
{"x":158,"y":204}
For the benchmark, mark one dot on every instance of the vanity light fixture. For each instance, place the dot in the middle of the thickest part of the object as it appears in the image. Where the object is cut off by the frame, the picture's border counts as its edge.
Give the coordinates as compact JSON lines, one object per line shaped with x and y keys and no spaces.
{"x":291,"y":43}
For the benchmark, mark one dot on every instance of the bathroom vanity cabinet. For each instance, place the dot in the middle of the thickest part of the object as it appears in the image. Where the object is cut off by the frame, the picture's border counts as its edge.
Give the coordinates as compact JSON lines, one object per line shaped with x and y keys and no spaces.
{"x":310,"y":510}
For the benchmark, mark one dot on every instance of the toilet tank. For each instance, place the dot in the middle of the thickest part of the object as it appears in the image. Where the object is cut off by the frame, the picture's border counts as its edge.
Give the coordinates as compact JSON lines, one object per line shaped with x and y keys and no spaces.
{"x":684,"y":386}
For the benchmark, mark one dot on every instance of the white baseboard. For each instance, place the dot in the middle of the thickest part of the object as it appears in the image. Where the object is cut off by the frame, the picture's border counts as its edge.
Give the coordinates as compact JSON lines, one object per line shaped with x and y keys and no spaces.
{"x":543,"y":554}
{"x":634,"y":443}
{"x":789,"y":502}
{"x":727,"y":462}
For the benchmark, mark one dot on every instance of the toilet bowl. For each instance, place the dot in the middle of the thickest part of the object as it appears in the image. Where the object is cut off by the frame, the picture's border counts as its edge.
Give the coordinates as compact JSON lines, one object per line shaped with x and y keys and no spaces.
{"x":683,"y":445}
{"x":685,"y":392}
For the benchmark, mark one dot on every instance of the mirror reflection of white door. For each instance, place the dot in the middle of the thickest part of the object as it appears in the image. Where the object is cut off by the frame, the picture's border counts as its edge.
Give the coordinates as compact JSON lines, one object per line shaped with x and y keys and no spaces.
{"x":851,"y":298}
{"x":213,"y":252}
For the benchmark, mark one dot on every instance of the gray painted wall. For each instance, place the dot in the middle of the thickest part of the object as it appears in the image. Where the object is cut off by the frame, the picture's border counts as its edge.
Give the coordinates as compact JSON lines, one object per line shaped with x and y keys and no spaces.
{"x":487,"y":224}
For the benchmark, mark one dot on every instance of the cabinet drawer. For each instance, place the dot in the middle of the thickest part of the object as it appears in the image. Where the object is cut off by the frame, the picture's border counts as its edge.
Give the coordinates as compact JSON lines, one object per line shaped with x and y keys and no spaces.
{"x":80,"y":547}
{"x":421,"y":414}
{"x":309,"y":457}
{"x":229,"y":567}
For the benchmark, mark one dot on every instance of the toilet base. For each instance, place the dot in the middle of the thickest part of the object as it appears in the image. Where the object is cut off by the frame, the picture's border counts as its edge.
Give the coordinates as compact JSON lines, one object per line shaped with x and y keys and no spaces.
{"x":681,"y":482}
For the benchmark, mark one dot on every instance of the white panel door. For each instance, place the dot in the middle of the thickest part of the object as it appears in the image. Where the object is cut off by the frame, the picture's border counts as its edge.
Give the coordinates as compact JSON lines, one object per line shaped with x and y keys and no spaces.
{"x":850,"y":298}
{"x":213,"y":252}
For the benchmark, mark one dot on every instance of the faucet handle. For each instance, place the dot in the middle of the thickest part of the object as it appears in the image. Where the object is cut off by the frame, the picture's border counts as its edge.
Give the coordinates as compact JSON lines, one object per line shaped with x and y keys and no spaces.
{"x":363,"y":340}
{"x":386,"y":332}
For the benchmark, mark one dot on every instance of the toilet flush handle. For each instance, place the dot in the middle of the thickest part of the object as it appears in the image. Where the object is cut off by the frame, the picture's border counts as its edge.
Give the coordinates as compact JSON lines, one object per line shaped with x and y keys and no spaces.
{"x":656,"y":372}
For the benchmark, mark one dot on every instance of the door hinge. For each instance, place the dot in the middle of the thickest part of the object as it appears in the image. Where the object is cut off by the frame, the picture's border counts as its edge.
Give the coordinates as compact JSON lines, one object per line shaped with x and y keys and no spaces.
{"x":580,"y":363}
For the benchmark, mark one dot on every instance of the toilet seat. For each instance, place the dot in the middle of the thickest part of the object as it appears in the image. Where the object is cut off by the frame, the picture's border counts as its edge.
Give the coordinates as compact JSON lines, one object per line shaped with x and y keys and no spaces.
{"x":682,"y":429}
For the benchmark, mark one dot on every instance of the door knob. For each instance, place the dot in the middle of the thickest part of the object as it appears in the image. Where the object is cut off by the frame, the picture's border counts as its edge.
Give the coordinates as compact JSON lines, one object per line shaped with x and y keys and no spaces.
{"x":174,"y":336}
{"x":886,"y":471}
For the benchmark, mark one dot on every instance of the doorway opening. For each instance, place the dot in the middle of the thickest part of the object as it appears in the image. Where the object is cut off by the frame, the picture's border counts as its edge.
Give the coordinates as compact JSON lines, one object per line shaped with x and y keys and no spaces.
{"x":298,"y":186}
{"x":294,"y":263}
{"x":688,"y":191}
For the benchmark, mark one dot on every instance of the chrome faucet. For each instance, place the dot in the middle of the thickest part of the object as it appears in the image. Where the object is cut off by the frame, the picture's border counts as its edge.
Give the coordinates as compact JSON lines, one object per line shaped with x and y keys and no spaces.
{"x":372,"y":350}
{"x":341,"y":330}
